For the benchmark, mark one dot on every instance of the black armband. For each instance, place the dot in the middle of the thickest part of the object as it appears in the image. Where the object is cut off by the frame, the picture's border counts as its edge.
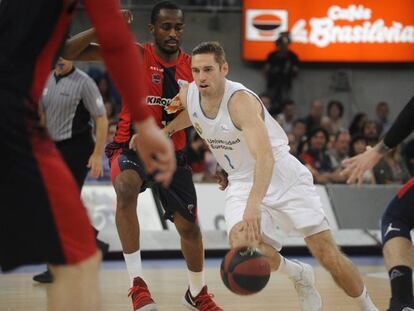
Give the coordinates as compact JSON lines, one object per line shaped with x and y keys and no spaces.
{"x":402,"y":126}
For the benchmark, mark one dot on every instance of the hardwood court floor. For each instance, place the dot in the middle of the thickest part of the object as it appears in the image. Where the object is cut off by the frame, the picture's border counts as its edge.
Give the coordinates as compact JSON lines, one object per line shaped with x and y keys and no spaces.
{"x":18,"y":292}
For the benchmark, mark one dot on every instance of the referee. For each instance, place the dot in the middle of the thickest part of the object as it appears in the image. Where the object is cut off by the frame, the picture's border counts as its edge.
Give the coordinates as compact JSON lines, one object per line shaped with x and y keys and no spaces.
{"x":71,"y":102}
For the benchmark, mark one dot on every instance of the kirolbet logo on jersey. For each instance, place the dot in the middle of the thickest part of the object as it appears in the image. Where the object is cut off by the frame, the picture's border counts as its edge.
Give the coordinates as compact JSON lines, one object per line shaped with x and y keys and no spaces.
{"x":265,"y":25}
{"x":157,"y":100}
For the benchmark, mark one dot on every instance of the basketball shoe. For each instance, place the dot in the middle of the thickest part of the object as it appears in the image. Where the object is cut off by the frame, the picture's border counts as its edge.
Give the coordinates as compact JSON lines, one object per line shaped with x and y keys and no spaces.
{"x":202,"y":302}
{"x":309,"y":298}
{"x":141,"y":297}
{"x":402,"y":307}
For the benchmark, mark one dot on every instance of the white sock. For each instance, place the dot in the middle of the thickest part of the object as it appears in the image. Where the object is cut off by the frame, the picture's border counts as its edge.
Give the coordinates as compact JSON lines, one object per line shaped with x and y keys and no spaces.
{"x":290,"y":268}
{"x":365,"y":301}
{"x":196,"y":281}
{"x":134,"y":265}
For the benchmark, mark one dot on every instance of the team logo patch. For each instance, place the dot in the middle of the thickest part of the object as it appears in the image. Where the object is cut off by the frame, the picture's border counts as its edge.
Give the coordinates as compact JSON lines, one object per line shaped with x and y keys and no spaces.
{"x":198,"y":128}
{"x":156,"y":78}
{"x":224,"y":128}
{"x":190,"y":208}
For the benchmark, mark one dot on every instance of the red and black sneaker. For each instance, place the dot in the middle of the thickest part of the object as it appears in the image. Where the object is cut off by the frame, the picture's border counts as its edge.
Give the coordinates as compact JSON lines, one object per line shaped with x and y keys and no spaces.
{"x":203,"y":301}
{"x":141,"y":297}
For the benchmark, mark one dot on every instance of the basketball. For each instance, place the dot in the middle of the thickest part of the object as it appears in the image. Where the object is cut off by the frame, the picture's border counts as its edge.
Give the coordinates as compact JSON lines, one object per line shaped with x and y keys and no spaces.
{"x":245,"y":271}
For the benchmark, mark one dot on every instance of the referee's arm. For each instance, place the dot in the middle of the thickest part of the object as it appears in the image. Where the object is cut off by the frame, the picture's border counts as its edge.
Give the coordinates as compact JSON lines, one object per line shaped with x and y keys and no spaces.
{"x":94,"y":104}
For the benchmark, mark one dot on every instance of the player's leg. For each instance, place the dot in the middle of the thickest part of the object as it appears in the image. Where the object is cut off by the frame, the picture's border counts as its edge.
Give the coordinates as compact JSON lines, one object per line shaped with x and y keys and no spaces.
{"x":301,"y":274}
{"x":76,"y":287}
{"x":75,"y":153}
{"x":44,"y":219}
{"x":344,"y":272}
{"x":180,"y":204}
{"x":300,"y":210}
{"x":77,"y":282}
{"x":128,"y":177}
{"x":398,"y":249}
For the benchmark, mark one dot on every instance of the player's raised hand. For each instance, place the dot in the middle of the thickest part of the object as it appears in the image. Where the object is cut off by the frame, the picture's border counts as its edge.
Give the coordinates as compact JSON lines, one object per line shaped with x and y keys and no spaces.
{"x":156,"y":151}
{"x":355,"y":167}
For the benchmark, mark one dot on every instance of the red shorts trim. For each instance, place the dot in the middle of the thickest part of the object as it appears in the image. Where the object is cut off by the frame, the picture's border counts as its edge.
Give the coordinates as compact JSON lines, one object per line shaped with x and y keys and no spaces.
{"x":71,"y":220}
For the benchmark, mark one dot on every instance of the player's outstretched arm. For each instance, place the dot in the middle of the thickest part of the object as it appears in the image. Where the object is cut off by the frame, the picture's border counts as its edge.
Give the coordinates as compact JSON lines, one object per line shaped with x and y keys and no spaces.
{"x":246,"y":113}
{"x":400,"y":129}
{"x":82,"y":46}
{"x":355,"y":167}
{"x":124,"y":64}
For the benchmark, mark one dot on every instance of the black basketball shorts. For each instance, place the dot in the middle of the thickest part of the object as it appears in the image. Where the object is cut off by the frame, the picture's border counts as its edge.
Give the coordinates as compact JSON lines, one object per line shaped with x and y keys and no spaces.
{"x":398,"y":219}
{"x":179,"y":197}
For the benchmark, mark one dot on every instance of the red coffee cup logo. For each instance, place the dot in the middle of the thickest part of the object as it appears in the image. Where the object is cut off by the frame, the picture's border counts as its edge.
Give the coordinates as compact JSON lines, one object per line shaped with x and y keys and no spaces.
{"x":265,"y":25}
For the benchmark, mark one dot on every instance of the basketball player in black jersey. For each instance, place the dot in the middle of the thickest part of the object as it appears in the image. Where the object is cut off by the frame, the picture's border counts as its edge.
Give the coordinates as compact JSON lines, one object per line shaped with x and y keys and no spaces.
{"x":398,"y":219}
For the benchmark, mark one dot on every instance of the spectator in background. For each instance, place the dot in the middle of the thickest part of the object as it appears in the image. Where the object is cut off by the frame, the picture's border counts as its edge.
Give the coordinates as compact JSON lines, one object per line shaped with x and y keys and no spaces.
{"x":314,"y":118}
{"x":103,"y":86}
{"x":299,"y":131}
{"x":340,"y":149}
{"x":288,"y":116}
{"x":357,"y":146}
{"x":335,"y":112}
{"x":316,"y":156}
{"x":370,"y":131}
{"x":392,"y":169}
{"x":356,"y":123}
{"x":281,"y":66}
{"x":293,"y":144}
{"x":382,"y":111}
{"x":266,"y":100}
{"x":111,"y":112}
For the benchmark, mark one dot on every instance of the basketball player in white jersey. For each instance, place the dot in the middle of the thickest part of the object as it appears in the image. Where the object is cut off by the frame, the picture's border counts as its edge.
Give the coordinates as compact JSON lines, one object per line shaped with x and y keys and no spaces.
{"x":267,"y":187}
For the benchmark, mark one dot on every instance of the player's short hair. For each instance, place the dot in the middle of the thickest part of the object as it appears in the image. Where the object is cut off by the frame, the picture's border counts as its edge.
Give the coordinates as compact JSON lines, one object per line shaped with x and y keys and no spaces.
{"x":211,"y":47}
{"x":168,"y":5}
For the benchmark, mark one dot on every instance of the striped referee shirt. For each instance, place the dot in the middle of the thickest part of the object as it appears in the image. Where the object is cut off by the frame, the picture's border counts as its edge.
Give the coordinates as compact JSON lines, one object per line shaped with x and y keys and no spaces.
{"x":69,"y":102}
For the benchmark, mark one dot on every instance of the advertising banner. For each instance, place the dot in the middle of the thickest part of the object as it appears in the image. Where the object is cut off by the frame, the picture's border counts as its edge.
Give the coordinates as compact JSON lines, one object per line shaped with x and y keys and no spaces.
{"x":331,"y":30}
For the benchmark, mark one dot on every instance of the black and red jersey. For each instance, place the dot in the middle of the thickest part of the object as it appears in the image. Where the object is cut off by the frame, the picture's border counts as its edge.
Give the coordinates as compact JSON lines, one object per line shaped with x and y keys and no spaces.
{"x":163,"y":83}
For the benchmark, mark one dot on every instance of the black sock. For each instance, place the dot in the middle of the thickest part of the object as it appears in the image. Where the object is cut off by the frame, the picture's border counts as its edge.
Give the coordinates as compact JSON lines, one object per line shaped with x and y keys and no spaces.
{"x":401,"y":279}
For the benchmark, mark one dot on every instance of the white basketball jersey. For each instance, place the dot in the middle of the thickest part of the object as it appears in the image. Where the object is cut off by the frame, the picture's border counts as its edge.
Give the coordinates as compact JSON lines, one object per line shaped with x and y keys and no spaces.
{"x":225,"y":140}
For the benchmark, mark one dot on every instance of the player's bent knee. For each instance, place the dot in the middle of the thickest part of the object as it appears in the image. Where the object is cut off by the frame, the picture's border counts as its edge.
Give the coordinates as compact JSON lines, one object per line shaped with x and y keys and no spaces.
{"x":127,"y":190}
{"x":187,"y":230}
{"x":190,"y":232}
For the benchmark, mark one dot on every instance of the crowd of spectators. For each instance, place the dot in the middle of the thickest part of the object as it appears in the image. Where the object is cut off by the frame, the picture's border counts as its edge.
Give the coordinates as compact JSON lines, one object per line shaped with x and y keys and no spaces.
{"x":321,"y":140}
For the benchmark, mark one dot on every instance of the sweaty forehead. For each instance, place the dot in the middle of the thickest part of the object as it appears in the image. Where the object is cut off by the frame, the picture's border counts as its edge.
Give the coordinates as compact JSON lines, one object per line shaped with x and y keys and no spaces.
{"x":170,"y":16}
{"x":202,"y":60}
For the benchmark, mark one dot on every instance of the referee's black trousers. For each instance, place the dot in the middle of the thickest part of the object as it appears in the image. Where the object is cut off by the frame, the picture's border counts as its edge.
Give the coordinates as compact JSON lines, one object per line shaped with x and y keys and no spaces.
{"x":76,"y":152}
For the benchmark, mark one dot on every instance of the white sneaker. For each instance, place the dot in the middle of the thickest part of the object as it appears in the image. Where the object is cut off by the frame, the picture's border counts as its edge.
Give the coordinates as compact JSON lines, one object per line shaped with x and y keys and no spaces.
{"x":309,"y":298}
